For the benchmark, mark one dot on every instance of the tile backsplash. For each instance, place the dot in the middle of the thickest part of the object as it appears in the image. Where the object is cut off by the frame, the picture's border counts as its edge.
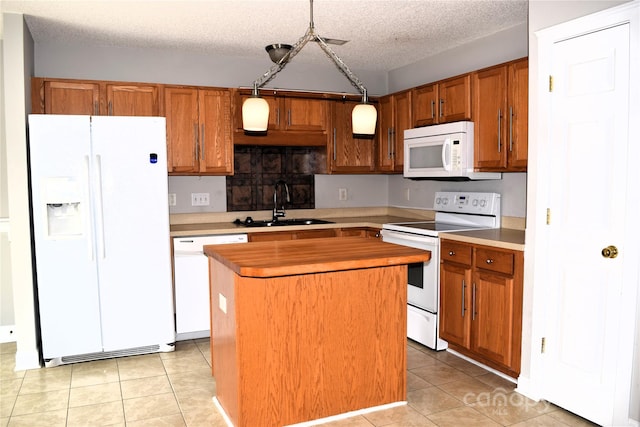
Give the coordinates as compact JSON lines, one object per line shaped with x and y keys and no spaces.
{"x":258,"y":169}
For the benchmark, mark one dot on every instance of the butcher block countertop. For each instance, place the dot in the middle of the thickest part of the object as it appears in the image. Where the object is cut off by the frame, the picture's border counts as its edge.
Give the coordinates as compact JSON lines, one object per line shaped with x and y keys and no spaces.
{"x":291,"y":257}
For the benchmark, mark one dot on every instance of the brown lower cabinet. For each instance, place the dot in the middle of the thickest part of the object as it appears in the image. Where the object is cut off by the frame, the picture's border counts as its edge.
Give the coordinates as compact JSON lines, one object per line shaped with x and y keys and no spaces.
{"x":481,"y":303}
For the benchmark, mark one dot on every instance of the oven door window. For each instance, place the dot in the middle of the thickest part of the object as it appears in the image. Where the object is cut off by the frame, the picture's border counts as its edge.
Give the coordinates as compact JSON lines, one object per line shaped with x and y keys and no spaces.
{"x":416,"y":275}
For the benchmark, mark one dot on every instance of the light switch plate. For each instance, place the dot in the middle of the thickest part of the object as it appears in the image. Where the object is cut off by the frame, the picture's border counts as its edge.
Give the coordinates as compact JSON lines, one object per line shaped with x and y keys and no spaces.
{"x":199,"y":199}
{"x":172,"y":199}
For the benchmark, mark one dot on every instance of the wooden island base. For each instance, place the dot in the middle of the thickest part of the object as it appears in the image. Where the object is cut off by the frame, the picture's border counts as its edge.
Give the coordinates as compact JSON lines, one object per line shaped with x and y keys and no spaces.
{"x":294,"y":348}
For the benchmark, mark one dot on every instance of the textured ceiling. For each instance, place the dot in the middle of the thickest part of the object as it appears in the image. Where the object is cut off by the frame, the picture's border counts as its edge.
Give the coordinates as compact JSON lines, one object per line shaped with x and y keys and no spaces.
{"x":382,"y":34}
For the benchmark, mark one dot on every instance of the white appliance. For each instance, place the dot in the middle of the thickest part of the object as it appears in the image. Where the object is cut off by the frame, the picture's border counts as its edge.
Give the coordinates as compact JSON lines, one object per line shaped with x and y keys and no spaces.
{"x":455,"y":211}
{"x":101,"y":235}
{"x":191,"y":283}
{"x":442,"y":152}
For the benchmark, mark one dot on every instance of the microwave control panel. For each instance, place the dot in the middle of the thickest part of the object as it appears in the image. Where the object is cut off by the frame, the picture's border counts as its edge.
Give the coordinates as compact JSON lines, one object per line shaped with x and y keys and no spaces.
{"x":456,"y":155}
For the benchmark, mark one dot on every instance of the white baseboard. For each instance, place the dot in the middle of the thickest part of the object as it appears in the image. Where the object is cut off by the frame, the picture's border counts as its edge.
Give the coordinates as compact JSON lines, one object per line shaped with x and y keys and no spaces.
{"x":27,"y":360}
{"x":7,"y":333}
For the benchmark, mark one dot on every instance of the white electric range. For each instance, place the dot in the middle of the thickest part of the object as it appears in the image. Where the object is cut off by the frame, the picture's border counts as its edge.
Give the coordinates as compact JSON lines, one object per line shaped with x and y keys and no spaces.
{"x":455,"y":211}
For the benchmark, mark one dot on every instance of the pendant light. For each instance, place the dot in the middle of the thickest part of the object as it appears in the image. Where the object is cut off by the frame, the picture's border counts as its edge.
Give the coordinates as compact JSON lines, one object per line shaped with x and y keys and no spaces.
{"x":255,"y":110}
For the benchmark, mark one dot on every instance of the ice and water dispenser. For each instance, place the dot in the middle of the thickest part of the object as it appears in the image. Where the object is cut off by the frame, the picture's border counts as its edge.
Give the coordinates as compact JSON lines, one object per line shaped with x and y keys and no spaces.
{"x":63,"y":205}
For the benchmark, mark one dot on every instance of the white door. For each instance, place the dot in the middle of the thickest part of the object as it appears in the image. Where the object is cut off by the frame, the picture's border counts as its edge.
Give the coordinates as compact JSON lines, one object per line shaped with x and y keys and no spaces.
{"x":588,"y":191}
{"x":132,"y":221}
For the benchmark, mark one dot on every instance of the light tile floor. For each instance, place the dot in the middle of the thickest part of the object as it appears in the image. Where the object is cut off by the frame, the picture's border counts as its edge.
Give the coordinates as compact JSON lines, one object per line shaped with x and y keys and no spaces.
{"x":175,"y":389}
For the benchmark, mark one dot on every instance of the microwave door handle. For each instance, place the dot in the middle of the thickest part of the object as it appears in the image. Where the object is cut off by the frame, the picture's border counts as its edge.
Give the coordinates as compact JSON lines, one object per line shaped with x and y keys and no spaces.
{"x":446,"y":153}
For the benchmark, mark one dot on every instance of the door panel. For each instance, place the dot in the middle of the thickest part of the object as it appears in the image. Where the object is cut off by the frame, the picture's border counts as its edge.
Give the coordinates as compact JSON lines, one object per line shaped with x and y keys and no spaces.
{"x":589,"y":132}
{"x":181,"y":107}
{"x":127,"y":100}
{"x":67,"y":286}
{"x":72,"y":98}
{"x":134,"y":261}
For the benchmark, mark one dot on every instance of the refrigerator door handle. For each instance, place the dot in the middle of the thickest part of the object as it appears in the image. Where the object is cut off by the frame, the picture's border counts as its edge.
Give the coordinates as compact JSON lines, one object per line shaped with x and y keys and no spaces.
{"x":100,"y":207}
{"x":90,"y":230}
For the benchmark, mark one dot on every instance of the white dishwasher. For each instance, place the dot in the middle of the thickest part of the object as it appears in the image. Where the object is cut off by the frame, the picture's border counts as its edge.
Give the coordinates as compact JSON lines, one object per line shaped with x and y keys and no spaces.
{"x":191,"y":283}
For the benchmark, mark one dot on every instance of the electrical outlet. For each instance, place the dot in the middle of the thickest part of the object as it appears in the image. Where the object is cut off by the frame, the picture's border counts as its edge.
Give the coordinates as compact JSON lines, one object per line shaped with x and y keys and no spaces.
{"x":342,"y":194}
{"x":199,"y":199}
{"x":222,"y":303}
{"x":172,"y":199}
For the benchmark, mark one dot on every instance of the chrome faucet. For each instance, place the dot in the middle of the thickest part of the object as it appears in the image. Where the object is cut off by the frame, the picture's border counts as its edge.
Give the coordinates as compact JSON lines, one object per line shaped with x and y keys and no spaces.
{"x":279,"y":212}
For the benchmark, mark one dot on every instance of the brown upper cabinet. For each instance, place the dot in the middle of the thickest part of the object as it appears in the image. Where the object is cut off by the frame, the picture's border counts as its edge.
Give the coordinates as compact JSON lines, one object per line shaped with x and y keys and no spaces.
{"x":346,"y":152}
{"x":133,"y":100}
{"x":500,"y":116}
{"x":62,"y":96}
{"x":441,"y":102}
{"x":293,"y":120}
{"x":199,"y":140}
{"x":394,"y":117}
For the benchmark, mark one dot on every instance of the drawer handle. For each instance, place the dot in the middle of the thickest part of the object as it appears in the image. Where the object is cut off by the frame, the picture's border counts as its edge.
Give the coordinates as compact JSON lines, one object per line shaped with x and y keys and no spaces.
{"x":452,"y":253}
{"x":489,"y":261}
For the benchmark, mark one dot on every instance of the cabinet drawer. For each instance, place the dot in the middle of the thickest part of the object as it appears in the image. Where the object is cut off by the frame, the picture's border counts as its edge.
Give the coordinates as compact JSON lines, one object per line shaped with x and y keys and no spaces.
{"x":270,"y":236}
{"x":314,"y":234}
{"x":494,"y":260}
{"x":455,"y":252}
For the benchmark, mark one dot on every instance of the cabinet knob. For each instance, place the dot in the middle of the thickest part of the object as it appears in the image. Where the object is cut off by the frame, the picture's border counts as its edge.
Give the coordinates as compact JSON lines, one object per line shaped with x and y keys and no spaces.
{"x":452,"y":253}
{"x":489,"y":261}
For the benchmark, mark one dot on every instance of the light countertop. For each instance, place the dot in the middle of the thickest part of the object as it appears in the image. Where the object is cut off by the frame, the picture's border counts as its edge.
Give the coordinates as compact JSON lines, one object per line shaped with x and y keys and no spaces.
{"x":505,"y":238}
{"x":212,"y":224}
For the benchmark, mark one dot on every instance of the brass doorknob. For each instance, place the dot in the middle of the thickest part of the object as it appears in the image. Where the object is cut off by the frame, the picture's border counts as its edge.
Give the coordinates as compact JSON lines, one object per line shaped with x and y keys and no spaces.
{"x":610,"y":252}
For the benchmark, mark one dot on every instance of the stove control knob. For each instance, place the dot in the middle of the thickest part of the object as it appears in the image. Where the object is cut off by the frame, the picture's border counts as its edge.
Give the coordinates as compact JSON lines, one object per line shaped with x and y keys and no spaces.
{"x":483,"y":203}
{"x":445,"y":201}
{"x":475,"y":202}
{"x":438,"y":200}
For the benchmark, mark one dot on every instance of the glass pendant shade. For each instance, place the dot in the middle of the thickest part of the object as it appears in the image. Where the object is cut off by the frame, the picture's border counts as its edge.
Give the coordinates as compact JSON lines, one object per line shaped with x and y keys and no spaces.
{"x":363,"y":119}
{"x":255,"y":114}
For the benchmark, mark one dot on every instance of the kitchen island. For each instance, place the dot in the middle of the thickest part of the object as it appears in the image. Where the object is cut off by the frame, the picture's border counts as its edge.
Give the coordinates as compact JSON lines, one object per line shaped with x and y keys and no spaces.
{"x":308,"y":329}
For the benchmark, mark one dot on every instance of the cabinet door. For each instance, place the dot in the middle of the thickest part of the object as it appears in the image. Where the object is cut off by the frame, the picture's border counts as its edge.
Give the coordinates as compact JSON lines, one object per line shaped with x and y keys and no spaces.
{"x":455,"y":316}
{"x":181,"y":110}
{"x":130,"y":100}
{"x":215,"y":143}
{"x":425,"y":105}
{"x":455,"y":99}
{"x":490,"y":117}
{"x":403,"y":121}
{"x":492,"y":331}
{"x":386,"y":137}
{"x":305,"y":115}
{"x":518,"y":98}
{"x":71,"y":98}
{"x":349,"y":154}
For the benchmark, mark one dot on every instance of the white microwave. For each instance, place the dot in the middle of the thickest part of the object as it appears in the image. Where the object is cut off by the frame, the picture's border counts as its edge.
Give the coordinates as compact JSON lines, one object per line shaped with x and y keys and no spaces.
{"x":442,"y":152}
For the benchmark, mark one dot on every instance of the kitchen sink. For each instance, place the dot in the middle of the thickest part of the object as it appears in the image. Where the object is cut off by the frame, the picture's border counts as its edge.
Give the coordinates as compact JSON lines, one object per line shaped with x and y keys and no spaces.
{"x":250,"y":222}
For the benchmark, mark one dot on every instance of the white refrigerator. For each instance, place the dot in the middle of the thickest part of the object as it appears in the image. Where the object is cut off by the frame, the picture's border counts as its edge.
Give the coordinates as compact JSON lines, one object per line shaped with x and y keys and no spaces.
{"x":101,"y":235}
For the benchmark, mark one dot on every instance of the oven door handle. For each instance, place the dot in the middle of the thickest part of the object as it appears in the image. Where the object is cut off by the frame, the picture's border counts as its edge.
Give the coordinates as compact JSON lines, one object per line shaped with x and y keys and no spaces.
{"x":404,"y":236}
